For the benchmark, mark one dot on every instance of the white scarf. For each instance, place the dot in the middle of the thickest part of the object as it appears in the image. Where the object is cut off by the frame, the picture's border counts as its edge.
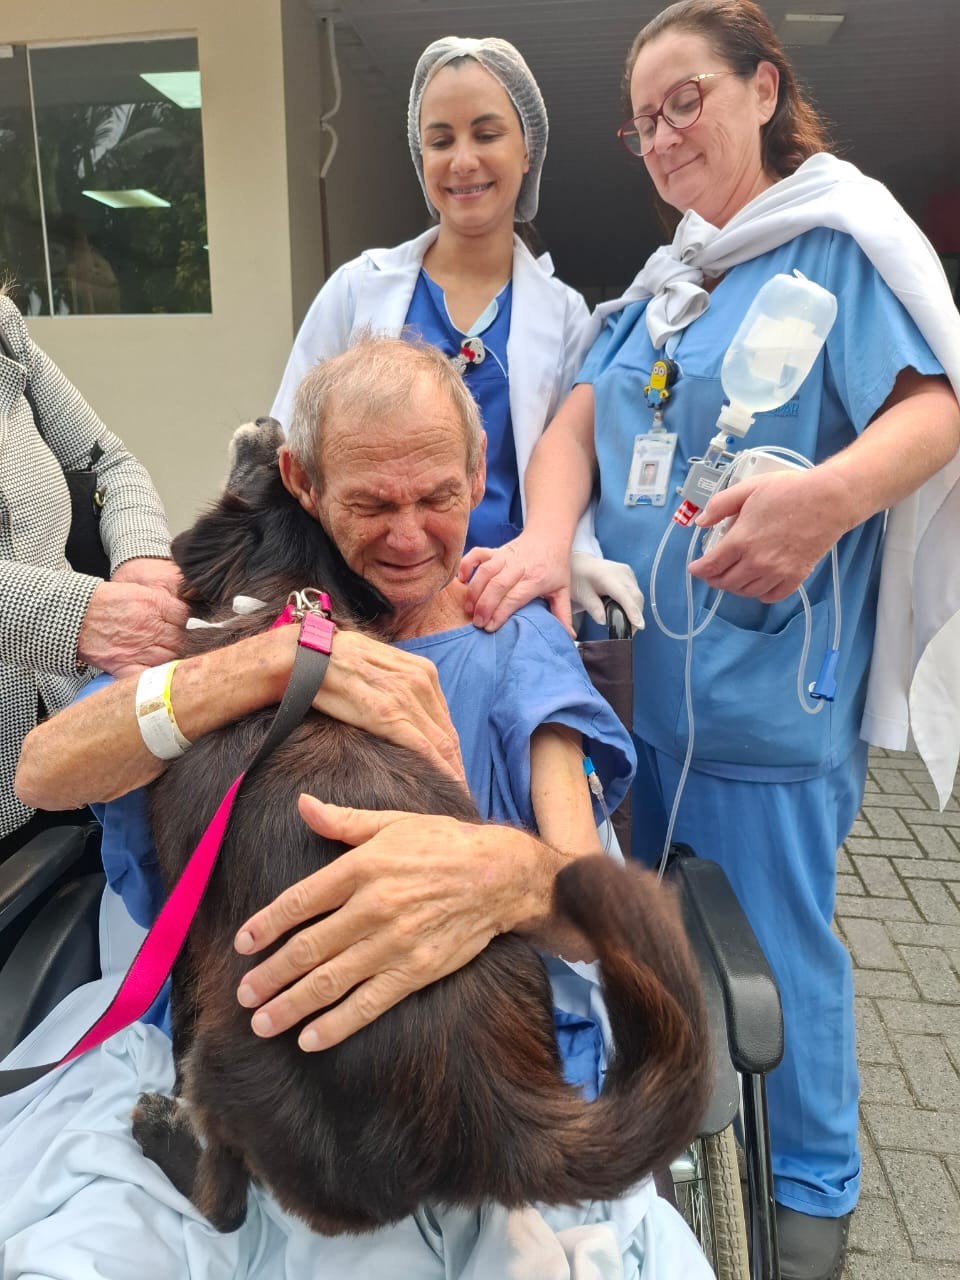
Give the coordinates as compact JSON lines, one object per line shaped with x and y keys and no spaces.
{"x":914,"y":682}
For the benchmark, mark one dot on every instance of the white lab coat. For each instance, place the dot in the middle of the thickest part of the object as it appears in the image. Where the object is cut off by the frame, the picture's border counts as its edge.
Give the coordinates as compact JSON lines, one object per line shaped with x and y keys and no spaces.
{"x":549,"y":334}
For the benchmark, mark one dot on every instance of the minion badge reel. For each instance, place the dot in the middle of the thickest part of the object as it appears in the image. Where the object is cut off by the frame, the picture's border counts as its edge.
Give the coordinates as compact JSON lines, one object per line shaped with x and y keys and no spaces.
{"x":653,"y":451}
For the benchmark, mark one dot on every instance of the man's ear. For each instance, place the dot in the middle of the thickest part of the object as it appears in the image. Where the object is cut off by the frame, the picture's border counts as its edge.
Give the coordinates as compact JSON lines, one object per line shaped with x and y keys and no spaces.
{"x":768,"y":87}
{"x":478,"y":481}
{"x":296,"y":481}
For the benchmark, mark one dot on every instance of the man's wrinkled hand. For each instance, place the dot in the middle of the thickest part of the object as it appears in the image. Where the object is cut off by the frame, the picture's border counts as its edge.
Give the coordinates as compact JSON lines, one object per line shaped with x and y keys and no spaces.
{"x":416,"y":898}
{"x":393,"y":694}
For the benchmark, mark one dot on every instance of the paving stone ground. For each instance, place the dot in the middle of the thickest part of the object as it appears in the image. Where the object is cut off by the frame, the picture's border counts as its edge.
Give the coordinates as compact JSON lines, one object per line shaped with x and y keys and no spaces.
{"x":898,"y":909}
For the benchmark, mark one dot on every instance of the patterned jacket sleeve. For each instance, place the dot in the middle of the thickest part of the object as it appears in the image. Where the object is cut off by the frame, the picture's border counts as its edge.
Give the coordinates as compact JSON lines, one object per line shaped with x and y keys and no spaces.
{"x":42,"y":603}
{"x":41,"y":612}
{"x":133,"y":522}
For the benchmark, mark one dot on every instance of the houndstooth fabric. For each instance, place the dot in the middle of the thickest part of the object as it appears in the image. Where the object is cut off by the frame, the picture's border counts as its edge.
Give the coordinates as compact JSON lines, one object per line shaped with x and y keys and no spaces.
{"x":42,"y":601}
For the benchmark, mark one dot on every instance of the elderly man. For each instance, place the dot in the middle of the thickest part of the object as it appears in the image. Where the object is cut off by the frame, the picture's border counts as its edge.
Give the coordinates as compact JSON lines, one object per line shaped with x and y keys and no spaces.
{"x":386,"y":451}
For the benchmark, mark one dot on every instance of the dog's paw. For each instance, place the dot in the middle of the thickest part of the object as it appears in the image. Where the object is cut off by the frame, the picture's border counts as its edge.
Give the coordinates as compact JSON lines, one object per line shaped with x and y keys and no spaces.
{"x":153,"y":1123}
{"x":162,"y":1128}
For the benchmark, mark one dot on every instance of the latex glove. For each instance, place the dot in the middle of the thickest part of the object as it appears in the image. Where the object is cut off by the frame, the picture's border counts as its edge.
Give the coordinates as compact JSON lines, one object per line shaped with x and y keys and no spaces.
{"x":592,"y":578}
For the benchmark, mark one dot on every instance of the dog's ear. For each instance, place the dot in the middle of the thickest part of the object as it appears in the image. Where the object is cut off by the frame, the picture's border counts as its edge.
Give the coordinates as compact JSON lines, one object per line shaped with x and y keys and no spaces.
{"x":362,"y":599}
{"x":257,"y":539}
{"x":213,"y":553}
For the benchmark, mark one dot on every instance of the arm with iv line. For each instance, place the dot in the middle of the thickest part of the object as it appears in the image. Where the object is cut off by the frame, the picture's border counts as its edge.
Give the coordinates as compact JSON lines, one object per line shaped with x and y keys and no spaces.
{"x":538,"y":561}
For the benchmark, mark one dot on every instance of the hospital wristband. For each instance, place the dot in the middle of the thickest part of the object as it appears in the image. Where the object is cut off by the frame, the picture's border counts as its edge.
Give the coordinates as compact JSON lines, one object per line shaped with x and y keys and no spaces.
{"x":155,"y":719}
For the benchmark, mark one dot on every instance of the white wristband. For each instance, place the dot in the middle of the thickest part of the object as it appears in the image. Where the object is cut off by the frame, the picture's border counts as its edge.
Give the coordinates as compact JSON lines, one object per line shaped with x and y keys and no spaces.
{"x":155,"y":719}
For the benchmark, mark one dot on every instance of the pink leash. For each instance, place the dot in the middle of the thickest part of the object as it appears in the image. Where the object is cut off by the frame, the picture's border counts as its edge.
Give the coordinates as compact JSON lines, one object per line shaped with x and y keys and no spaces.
{"x":158,"y":951}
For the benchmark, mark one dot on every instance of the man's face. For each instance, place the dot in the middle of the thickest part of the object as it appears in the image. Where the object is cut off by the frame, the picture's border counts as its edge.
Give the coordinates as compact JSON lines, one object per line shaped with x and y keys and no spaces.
{"x":396,"y":496}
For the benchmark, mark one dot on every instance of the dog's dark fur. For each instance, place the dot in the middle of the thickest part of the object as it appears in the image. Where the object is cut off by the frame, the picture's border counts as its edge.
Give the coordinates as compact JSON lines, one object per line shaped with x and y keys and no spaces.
{"x":455,"y":1095}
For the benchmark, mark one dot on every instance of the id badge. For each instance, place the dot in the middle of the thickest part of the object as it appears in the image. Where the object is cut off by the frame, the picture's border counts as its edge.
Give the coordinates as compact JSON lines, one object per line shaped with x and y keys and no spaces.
{"x":650,"y":469}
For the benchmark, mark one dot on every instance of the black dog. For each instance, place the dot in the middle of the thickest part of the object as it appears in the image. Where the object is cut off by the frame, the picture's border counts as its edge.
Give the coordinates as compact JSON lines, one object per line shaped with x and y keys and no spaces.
{"x":456,"y":1095}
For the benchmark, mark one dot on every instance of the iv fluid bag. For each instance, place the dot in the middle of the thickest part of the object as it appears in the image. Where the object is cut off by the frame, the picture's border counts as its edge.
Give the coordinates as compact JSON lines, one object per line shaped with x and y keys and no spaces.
{"x":777,"y":342}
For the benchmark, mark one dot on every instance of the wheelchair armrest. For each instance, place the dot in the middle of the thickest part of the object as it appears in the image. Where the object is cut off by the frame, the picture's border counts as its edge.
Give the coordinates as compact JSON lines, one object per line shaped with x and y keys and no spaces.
{"x":26,"y":874}
{"x":750,"y":995}
{"x":59,"y":951}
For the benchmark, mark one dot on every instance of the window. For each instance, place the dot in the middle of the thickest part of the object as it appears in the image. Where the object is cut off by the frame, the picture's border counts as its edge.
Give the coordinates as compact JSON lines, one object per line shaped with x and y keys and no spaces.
{"x":102,"y":208}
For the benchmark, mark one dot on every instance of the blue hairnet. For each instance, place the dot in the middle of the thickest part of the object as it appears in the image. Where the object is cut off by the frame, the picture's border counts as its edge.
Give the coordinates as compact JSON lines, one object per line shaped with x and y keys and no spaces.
{"x":508,"y":68}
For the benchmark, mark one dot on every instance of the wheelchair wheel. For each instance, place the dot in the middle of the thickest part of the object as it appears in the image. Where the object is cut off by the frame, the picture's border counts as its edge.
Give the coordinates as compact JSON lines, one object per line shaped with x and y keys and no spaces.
{"x":706,"y":1181}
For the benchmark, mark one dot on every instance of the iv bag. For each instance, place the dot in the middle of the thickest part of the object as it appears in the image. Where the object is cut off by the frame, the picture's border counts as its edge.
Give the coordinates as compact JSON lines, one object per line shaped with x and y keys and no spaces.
{"x":775,"y":347}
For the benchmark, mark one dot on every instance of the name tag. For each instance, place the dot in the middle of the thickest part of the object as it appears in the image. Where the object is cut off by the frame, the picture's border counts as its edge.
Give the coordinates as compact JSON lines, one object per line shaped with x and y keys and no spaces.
{"x":650,"y":469}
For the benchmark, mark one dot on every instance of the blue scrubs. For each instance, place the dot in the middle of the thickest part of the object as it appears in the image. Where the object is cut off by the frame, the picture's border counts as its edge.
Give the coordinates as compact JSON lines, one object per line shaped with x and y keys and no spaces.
{"x":499,"y":517}
{"x":777,"y":842}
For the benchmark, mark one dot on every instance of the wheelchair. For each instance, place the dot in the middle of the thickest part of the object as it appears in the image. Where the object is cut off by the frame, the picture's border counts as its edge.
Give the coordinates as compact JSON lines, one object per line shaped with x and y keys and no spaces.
{"x":745,"y":1026}
{"x":50,"y":893}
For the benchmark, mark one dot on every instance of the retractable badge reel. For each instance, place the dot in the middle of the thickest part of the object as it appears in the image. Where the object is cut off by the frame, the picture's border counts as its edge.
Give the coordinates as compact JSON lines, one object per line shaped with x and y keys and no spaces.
{"x":653,"y":450}
{"x":472,"y":353}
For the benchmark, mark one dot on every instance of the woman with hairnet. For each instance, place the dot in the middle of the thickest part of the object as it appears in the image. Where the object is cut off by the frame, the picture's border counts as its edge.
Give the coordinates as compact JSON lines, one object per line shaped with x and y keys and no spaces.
{"x":477,"y":129}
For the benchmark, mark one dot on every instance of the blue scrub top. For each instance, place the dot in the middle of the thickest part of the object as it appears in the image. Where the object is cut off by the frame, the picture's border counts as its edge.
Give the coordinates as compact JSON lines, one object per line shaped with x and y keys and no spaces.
{"x":499,"y":517}
{"x":747,"y":719}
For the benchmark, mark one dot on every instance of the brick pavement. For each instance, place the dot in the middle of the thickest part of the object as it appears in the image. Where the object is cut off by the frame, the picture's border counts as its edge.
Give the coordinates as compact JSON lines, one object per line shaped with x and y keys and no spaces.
{"x":898,"y":909}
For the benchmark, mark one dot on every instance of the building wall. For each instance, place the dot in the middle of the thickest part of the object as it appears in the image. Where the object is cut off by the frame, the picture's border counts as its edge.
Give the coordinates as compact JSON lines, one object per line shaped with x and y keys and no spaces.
{"x":305,"y":91}
{"x":175,"y":387}
{"x":373,"y":197}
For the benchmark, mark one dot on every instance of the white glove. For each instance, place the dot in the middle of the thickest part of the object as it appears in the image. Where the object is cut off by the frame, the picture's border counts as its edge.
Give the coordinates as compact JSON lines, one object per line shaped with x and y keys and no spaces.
{"x":592,"y":578}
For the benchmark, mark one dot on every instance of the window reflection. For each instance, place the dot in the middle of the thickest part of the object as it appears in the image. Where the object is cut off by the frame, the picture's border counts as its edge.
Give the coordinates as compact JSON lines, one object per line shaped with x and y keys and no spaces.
{"x":120,"y":147}
{"x":21,"y":233}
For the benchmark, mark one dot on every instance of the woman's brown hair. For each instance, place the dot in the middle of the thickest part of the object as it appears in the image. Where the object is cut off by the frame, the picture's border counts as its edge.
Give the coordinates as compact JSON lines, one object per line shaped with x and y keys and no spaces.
{"x":740,"y":33}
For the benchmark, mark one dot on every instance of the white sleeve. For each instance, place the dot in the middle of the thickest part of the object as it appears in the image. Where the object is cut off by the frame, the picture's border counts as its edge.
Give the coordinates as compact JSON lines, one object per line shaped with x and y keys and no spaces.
{"x":325,"y":332}
{"x":577,"y":341}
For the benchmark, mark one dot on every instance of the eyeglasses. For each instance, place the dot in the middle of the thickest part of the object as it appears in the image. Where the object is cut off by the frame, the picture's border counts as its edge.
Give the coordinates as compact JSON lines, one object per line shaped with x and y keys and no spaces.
{"x":681,"y":108}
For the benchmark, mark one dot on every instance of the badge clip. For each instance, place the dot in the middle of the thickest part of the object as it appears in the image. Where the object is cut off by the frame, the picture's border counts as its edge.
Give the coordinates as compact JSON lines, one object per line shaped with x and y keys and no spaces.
{"x":657,"y":391}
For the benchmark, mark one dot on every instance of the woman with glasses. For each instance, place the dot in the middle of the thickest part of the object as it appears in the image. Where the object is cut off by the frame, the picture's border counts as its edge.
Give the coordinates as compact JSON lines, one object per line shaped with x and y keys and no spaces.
{"x":730,"y":144}
{"x":477,"y":129}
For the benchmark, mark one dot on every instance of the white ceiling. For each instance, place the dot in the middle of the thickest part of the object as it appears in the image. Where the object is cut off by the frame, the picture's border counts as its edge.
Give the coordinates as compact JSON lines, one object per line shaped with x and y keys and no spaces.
{"x":889,"y":84}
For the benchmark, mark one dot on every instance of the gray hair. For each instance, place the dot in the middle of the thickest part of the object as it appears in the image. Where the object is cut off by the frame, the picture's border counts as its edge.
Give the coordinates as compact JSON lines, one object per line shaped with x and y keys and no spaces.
{"x":508,"y":68}
{"x":364,"y":384}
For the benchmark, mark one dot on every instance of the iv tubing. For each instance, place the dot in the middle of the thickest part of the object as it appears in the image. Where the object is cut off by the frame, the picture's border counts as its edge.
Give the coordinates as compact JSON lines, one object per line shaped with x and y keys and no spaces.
{"x":595,"y":787}
{"x":676,"y":635}
{"x":692,"y":632}
{"x":688,"y":702}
